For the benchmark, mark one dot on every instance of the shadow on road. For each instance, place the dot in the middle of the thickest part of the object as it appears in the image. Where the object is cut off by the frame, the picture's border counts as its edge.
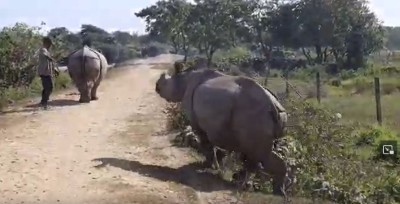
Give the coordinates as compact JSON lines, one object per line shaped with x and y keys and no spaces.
{"x":186,"y":175}
{"x":64,"y":102}
{"x":57,"y":102}
{"x":34,"y":107}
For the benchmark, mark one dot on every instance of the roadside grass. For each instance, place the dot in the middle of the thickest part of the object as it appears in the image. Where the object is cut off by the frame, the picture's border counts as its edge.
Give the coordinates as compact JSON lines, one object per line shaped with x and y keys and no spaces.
{"x":354,"y":98}
{"x":337,"y":160}
{"x":15,"y":95}
{"x":362,"y":108}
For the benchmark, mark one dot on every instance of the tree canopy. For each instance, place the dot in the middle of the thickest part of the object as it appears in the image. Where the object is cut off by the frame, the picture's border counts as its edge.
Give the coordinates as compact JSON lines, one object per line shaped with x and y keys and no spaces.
{"x":343,"y":31}
{"x":19,"y":45}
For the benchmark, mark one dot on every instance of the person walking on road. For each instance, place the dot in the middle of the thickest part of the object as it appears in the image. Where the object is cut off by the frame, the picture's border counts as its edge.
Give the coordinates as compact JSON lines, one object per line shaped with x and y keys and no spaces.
{"x":46,"y":70}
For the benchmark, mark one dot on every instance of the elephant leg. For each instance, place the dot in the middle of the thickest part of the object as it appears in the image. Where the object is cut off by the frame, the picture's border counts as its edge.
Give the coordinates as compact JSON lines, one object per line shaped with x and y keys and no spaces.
{"x":276,"y":166}
{"x":94,"y":96}
{"x":208,"y":152}
{"x":243,"y":176}
{"x":85,"y":92}
{"x":81,"y":89}
{"x":218,"y":157}
{"x":205,"y":147}
{"x":213,"y":155}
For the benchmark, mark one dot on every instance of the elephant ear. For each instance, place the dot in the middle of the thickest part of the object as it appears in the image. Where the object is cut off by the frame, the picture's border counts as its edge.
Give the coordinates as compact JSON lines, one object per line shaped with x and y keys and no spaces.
{"x":178,"y":67}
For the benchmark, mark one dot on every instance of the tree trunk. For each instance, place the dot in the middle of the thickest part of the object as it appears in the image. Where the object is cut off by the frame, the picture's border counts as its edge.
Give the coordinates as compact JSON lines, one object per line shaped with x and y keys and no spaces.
{"x":325,"y":55}
{"x":186,"y":54}
{"x":266,"y":51}
{"x":307,"y":55}
{"x":318,"y":50}
{"x":210,"y":55}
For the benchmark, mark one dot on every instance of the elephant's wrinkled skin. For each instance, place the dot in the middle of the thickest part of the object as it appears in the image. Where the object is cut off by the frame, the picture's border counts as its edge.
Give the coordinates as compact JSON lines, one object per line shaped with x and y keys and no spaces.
{"x":87,"y":68}
{"x":231,"y":112}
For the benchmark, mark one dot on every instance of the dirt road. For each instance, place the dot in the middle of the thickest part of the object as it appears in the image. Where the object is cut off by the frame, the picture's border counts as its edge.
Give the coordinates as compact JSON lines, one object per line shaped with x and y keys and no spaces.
{"x":46,"y":156}
{"x":114,"y":150}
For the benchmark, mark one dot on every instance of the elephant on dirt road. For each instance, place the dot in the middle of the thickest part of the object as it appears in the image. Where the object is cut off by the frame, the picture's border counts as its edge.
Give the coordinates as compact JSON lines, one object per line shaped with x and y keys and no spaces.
{"x":87,"y":67}
{"x":234,"y":113}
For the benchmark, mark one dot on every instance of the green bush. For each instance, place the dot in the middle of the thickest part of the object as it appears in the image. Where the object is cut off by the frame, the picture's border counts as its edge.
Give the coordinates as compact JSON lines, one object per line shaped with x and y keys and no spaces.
{"x":365,"y":84}
{"x":308,"y":74}
{"x":348,"y":74}
{"x":329,"y":165}
{"x":62,"y":81}
{"x":18,"y":56}
{"x":176,"y":120}
{"x":236,"y":52}
{"x":14,"y":94}
{"x":372,"y":136}
{"x":234,"y":61}
{"x":323,"y":151}
{"x":18,"y":46}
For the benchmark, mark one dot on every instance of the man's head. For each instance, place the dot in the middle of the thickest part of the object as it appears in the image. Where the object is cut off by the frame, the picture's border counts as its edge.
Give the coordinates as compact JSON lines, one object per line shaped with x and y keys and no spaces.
{"x":47,"y":43}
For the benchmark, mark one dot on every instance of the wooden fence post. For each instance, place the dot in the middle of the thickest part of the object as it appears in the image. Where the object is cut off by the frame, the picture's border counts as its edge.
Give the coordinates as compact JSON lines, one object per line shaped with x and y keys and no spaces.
{"x":266,"y":81}
{"x":266,"y":78}
{"x":318,"y":87}
{"x":287,"y":83}
{"x":378,"y":100}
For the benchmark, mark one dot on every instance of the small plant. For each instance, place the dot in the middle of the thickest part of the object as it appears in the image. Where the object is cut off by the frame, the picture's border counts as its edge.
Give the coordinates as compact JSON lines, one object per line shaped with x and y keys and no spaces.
{"x":373,"y":135}
{"x":348,"y":74}
{"x":176,"y":119}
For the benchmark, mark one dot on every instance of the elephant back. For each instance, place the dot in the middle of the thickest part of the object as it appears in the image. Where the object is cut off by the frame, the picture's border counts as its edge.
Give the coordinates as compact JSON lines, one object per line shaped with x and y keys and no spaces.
{"x":86,"y":51}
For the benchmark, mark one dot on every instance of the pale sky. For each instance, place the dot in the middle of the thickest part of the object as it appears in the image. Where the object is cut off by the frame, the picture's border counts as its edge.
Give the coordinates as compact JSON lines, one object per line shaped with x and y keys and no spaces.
{"x":111,"y":16}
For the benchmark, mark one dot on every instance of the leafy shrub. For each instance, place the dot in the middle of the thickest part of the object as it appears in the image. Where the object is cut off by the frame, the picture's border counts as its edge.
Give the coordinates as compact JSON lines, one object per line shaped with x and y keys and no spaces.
{"x":328,"y":165}
{"x":239,"y":61}
{"x":348,"y":74}
{"x":127,"y":53}
{"x":359,"y":85}
{"x":308,"y":74}
{"x":326,"y":156}
{"x":365,"y":84}
{"x":233,"y":53}
{"x":372,"y":136}
{"x":18,"y":59}
{"x":335,"y":82}
{"x":176,"y":120}
{"x":321,"y":149}
{"x":13,"y":94}
{"x":18,"y":46}
{"x":390,"y":70}
{"x":274,"y":73}
{"x":154,"y":48}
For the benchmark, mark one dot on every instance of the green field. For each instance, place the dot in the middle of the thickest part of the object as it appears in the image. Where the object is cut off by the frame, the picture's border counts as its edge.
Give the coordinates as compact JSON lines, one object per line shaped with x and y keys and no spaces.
{"x":354,"y":99}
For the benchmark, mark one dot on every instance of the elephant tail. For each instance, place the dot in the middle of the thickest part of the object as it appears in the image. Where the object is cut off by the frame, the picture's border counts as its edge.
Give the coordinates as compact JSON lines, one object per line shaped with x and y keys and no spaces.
{"x":278,"y":113}
{"x":83,"y":66}
{"x":101,"y":62}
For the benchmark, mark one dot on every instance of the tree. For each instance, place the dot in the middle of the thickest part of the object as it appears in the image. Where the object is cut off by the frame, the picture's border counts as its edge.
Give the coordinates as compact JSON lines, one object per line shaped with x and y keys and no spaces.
{"x":18,"y":47}
{"x":340,"y":30}
{"x":393,"y":37}
{"x":214,"y":24}
{"x":122,"y":38}
{"x":66,"y":41}
{"x":257,"y":24}
{"x":168,"y":20}
{"x":343,"y":28}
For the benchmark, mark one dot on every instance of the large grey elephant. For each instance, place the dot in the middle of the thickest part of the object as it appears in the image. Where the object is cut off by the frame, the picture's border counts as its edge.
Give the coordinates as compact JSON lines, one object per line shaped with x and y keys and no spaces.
{"x":233,"y":113}
{"x":87,"y":67}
